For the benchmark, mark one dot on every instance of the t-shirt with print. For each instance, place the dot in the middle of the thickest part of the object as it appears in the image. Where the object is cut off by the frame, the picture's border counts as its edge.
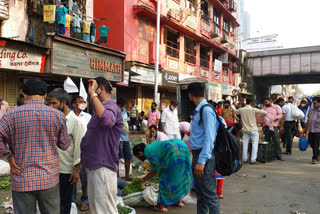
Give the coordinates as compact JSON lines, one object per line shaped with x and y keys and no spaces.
{"x":68,"y":20}
{"x":133,"y":111}
{"x":103,"y":31}
{"x":86,"y":27}
{"x":61,"y":14}
{"x":76,"y":24}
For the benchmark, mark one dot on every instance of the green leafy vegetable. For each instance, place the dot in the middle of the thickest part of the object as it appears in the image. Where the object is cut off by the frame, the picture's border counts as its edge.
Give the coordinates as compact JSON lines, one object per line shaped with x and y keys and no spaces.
{"x":134,"y":186}
{"x":5,"y":183}
{"x":123,"y":210}
{"x":155,"y":179}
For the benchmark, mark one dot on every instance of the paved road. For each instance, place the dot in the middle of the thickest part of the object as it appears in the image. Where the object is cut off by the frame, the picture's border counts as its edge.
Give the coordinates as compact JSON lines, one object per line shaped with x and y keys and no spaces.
{"x":272,"y":188}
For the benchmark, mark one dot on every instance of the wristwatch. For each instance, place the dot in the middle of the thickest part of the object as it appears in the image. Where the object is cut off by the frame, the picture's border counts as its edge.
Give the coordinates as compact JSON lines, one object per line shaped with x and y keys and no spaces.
{"x":94,"y":95}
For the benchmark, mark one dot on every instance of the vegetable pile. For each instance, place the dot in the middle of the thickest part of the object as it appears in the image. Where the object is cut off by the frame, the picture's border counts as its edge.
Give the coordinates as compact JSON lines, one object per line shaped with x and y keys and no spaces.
{"x":155,"y":179}
{"x":133,"y":187}
{"x":5,"y":183}
{"x":123,"y":210}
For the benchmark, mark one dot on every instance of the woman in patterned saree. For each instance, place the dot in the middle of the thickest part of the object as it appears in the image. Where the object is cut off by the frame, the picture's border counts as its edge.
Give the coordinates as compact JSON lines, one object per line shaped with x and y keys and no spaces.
{"x":171,"y":161}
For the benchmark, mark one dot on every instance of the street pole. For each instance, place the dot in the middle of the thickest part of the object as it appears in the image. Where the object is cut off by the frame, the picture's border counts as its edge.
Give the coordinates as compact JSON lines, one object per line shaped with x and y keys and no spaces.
{"x":157,"y":54}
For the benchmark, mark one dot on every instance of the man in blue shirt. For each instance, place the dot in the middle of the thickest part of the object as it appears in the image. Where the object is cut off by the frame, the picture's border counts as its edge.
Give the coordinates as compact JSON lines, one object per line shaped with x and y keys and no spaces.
{"x":202,"y":140}
{"x":304,"y":105}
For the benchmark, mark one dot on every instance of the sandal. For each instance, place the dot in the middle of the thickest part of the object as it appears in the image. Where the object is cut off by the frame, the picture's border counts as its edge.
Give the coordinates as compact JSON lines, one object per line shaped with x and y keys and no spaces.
{"x":84,"y":207}
{"x":314,"y":161}
{"x":157,"y":209}
{"x":180,"y":204}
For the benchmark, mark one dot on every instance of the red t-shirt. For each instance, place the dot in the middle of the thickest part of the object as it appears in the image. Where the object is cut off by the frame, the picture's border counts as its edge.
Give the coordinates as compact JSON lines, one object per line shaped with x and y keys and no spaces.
{"x":219,"y":110}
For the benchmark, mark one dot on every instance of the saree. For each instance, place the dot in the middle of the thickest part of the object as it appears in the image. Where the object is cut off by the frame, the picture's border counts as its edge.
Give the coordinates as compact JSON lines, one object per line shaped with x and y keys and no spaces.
{"x":171,"y":159}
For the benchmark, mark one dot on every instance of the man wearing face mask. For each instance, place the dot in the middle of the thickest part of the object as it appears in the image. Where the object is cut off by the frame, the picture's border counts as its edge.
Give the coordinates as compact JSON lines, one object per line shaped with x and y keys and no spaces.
{"x":79,"y":105}
{"x":69,"y":166}
{"x":304,"y":105}
{"x":100,"y":148}
{"x":153,"y":115}
{"x":170,"y":121}
{"x":35,"y":131}
{"x":271,"y":124}
{"x":155,"y":135}
{"x":313,"y":127}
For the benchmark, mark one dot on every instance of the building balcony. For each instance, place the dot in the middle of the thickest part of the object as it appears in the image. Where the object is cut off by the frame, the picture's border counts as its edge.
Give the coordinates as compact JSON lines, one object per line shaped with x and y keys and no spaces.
{"x":204,"y":63}
{"x":171,"y":51}
{"x":190,"y":58}
{"x":224,"y":9}
{"x":232,"y":6}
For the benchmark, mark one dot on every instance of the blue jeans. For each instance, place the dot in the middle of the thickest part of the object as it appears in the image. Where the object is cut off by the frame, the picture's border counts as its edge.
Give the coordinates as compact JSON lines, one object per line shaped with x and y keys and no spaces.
{"x":66,"y":189}
{"x":121,"y":184}
{"x":84,"y":188}
{"x":206,"y":187}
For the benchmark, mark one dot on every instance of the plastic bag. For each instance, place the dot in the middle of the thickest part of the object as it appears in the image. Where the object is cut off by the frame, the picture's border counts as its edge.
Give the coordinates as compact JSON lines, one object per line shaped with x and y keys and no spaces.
{"x":189,"y":199}
{"x":135,"y":200}
{"x":120,"y":201}
{"x":122,"y":169}
{"x":150,"y":195}
{"x":4,"y":168}
{"x":297,"y":114}
{"x":74,"y":209}
{"x":303,"y":143}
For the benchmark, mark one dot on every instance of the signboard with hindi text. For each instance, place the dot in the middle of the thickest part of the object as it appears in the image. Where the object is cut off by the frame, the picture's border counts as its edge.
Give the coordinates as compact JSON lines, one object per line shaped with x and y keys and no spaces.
{"x":49,"y":13}
{"x":18,"y":59}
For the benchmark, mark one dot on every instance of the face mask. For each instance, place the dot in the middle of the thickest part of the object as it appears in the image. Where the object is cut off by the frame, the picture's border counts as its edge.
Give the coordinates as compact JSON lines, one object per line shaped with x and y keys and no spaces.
{"x":172,"y":108}
{"x":143,"y":158}
{"x":153,"y":109}
{"x":303,"y":105}
{"x":82,"y":106}
{"x":60,"y":109}
{"x":268,"y":105}
{"x":315,"y":106}
{"x":154,"y":134}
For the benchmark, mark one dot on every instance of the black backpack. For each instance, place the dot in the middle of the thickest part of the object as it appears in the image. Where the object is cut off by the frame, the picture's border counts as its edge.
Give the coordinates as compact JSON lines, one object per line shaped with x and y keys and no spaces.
{"x":227,"y":149}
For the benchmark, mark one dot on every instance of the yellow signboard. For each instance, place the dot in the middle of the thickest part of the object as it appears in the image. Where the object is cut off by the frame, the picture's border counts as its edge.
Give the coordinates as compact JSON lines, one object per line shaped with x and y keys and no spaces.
{"x":49,"y":13}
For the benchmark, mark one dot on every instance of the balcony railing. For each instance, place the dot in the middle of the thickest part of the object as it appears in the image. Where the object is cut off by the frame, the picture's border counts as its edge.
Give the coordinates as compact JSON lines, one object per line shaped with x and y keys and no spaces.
{"x":204,"y":63}
{"x":205,"y":17}
{"x":190,"y":58}
{"x":172,"y":52}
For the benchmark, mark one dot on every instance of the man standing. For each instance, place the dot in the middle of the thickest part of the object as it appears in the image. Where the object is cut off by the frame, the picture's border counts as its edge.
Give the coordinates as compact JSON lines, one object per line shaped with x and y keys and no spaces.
{"x":133,"y":114}
{"x":79,"y":105}
{"x":4,"y":107}
{"x":153,"y":115}
{"x":288,"y":126}
{"x":271,"y":130}
{"x":170,"y":121}
{"x":100,"y":148}
{"x":228,"y":112}
{"x":34,"y":130}
{"x":155,"y":135}
{"x":250,"y":129}
{"x":70,"y":159}
{"x":313,"y":127}
{"x":125,"y":148}
{"x":202,"y":140}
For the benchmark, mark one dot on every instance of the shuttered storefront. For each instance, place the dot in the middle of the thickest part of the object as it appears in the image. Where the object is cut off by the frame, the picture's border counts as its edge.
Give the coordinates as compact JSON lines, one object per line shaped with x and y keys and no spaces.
{"x":9,"y":90}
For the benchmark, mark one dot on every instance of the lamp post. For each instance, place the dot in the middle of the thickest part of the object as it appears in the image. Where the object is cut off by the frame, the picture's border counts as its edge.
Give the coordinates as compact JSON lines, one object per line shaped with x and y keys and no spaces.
{"x":157,"y":54}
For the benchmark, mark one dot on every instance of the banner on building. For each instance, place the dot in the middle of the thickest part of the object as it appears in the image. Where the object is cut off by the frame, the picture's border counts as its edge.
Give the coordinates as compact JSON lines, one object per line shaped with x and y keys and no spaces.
{"x":21,"y":60}
{"x":49,"y":13}
{"x":170,"y":78}
{"x":225,"y":58}
{"x":217,"y":65}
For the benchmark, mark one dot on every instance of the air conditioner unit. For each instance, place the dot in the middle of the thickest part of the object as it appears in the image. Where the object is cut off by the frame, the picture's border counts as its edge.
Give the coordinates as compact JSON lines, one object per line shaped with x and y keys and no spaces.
{"x":215,"y":32}
{"x":225,"y":38}
{"x":205,"y":73}
{"x":233,"y":5}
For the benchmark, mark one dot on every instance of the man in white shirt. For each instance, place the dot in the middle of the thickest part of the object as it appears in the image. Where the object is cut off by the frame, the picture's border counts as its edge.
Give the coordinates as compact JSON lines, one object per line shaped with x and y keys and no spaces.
{"x":250,"y":129}
{"x":288,"y":126}
{"x":155,"y":135}
{"x":79,"y":105}
{"x":170,"y":121}
{"x":69,"y":166}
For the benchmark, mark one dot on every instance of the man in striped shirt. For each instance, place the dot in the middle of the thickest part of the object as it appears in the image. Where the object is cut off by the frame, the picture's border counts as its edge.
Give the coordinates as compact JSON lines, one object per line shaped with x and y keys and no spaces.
{"x":33,"y":132}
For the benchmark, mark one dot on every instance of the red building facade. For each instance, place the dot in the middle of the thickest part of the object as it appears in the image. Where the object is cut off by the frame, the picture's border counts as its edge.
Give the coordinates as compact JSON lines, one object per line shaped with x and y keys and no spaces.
{"x":194,"y":36}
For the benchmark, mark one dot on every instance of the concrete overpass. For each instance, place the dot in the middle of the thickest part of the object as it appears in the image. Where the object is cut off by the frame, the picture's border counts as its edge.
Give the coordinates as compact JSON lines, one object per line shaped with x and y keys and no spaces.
{"x":282,"y":66}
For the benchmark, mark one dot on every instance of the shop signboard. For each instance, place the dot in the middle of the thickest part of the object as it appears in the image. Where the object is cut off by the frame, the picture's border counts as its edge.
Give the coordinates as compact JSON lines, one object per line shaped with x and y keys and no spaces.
{"x":18,"y":59}
{"x":227,"y":89}
{"x":77,"y":61}
{"x":146,"y":75}
{"x":170,"y":78}
{"x":49,"y":13}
